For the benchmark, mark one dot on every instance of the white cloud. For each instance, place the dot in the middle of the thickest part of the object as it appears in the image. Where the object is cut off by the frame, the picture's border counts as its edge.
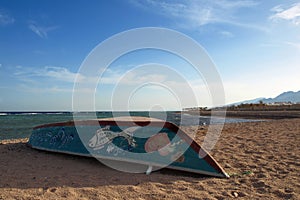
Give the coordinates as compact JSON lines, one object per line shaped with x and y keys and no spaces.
{"x":48,"y":79}
{"x":136,"y":78}
{"x":291,"y":14}
{"x":294,"y":44}
{"x":153,"y":83}
{"x":41,"y":31}
{"x":55,"y":73}
{"x":5,"y":18}
{"x":36,"y":88}
{"x":197,"y":13}
{"x":227,"y":34}
{"x":59,"y":73}
{"x":132,"y":77}
{"x":52,"y":79}
{"x":277,"y":9}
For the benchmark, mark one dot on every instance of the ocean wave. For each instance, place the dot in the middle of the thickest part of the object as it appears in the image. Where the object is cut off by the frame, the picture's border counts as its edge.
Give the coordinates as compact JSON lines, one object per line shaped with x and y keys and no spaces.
{"x":32,"y":113}
{"x":28,"y":113}
{"x":55,"y":113}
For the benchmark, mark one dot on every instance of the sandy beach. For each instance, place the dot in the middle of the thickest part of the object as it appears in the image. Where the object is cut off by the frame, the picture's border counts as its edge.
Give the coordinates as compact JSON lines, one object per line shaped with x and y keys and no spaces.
{"x":262,"y":158}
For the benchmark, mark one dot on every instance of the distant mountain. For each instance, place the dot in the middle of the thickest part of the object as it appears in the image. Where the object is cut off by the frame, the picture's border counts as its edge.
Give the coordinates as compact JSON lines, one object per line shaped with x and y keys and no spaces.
{"x":247,"y":101}
{"x":290,"y":96}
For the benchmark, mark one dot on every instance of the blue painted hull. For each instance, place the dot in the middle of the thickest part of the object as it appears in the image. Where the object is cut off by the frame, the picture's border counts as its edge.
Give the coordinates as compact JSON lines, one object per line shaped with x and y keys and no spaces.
{"x":161,"y":144}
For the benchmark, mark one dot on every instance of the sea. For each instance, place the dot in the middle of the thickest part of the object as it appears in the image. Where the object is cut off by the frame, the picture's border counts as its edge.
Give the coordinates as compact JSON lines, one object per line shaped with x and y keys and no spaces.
{"x":15,"y":125}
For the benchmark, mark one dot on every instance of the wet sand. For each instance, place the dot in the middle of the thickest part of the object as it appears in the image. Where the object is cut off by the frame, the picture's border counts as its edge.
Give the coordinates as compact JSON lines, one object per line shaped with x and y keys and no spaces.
{"x":263,"y":159}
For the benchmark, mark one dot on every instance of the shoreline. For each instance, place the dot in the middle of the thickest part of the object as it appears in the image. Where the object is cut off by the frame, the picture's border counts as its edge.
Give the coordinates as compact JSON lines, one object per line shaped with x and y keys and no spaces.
{"x":263,"y":159}
{"x":250,"y":114}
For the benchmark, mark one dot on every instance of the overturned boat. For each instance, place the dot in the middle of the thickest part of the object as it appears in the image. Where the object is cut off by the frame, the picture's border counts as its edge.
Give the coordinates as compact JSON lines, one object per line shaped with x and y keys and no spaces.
{"x":140,"y":141}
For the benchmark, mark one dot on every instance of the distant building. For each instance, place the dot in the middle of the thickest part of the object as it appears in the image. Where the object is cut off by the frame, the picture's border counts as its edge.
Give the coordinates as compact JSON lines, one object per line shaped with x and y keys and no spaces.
{"x":280,"y":104}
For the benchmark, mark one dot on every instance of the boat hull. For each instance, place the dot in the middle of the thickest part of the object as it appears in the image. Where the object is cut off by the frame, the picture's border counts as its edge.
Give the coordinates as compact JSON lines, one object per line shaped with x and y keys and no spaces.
{"x":152,"y":143}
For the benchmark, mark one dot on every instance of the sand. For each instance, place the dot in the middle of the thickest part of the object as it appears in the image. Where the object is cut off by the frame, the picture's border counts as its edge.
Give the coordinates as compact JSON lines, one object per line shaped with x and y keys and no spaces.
{"x":263,"y":159}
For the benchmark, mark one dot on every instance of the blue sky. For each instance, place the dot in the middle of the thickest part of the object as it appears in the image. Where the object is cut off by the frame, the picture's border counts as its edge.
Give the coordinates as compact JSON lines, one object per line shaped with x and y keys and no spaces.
{"x":254,"y":44}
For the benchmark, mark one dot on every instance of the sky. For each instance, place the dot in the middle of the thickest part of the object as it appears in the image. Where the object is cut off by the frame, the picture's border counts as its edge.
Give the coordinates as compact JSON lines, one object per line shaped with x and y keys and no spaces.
{"x":255,"y":46}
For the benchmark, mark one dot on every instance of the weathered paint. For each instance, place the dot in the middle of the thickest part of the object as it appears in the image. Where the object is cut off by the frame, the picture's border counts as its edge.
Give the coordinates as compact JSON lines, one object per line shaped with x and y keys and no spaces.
{"x":159,"y":144}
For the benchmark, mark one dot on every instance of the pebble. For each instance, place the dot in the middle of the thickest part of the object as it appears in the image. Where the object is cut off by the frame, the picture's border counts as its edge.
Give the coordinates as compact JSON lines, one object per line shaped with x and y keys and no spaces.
{"x":288,"y":190}
{"x":227,"y":166}
{"x":53,"y":190}
{"x":235,"y":194}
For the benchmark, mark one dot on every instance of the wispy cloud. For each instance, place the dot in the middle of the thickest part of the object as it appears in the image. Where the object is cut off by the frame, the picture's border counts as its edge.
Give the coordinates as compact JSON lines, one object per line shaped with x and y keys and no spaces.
{"x":130,"y":78}
{"x":45,"y":79}
{"x":294,"y":44}
{"x":41,"y":31}
{"x":5,"y":18}
{"x":226,"y":34}
{"x":35,"y":88}
{"x":291,"y":13}
{"x":197,"y":13}
{"x":58,"y":80}
{"x":53,"y":73}
{"x":60,"y":73}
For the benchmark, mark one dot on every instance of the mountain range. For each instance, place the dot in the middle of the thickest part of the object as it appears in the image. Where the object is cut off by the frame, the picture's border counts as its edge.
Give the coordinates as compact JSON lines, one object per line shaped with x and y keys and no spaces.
{"x":290,"y":96}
